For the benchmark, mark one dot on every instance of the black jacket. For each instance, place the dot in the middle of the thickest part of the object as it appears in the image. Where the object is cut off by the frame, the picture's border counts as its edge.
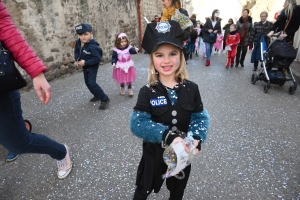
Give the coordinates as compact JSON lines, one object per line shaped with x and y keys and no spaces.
{"x":90,"y":52}
{"x":226,"y":28}
{"x":208,"y":25}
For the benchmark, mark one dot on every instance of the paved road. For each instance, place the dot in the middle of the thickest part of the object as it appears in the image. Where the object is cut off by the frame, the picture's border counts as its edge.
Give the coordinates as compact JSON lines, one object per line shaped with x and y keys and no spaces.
{"x":252,"y":151}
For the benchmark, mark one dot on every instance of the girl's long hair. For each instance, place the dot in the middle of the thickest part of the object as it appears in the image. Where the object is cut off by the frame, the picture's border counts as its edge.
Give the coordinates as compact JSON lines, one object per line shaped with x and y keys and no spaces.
{"x":213,"y":15}
{"x":181,"y":73}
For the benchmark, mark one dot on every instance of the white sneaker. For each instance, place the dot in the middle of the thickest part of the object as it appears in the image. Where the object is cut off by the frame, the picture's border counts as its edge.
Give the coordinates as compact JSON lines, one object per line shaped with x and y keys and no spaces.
{"x":64,"y":165}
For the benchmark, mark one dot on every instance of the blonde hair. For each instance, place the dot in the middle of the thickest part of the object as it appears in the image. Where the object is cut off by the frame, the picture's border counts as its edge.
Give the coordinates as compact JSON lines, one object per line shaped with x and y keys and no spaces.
{"x":290,"y":8}
{"x":264,"y":12}
{"x":181,"y":73}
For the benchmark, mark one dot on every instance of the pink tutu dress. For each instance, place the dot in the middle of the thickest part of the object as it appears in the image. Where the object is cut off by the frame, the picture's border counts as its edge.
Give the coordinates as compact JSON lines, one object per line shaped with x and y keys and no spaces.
{"x":219,"y":42}
{"x":124,"y":71}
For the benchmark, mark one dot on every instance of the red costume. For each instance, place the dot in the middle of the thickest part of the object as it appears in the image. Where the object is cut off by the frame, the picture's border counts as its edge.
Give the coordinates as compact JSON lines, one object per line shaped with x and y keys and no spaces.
{"x":233,"y":38}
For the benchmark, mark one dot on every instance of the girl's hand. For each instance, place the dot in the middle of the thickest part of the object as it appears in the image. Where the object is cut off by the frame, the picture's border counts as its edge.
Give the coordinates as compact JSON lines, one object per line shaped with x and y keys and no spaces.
{"x":210,"y":30}
{"x":283,"y":35}
{"x":215,"y":31}
{"x":136,"y":49}
{"x":42,"y":88}
{"x":196,"y":150}
{"x":114,"y":65}
{"x":81,"y":63}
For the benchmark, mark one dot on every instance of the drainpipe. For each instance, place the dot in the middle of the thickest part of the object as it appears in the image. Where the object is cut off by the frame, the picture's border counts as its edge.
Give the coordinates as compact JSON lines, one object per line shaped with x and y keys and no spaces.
{"x":140,"y":24}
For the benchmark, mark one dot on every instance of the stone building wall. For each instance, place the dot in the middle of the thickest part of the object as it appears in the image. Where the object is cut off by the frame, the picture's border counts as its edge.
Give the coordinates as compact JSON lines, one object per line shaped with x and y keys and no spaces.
{"x":48,"y":26}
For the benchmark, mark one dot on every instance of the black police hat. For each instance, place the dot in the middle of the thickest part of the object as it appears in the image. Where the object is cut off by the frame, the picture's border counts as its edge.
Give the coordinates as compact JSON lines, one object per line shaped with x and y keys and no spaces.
{"x":162,"y":32}
{"x":82,"y":28}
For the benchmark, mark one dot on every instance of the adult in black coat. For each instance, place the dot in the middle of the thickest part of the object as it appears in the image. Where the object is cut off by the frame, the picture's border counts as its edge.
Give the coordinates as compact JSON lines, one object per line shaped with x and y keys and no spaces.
{"x":288,"y":21}
{"x":210,"y":30}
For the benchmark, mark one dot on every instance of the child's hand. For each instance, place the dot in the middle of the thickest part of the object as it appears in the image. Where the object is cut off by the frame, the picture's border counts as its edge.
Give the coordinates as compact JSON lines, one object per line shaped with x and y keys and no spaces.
{"x":81,"y":63}
{"x":136,"y":49}
{"x":114,"y":65}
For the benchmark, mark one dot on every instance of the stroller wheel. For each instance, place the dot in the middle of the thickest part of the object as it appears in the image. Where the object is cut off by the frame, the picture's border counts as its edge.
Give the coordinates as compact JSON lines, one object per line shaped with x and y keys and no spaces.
{"x":28,"y":125}
{"x":266,"y":89}
{"x":291,"y":90}
{"x":254,"y":78}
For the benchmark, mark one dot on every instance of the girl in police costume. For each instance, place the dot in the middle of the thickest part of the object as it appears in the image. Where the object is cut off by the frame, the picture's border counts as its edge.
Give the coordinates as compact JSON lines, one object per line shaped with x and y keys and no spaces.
{"x":124,"y":71}
{"x":168,"y":107}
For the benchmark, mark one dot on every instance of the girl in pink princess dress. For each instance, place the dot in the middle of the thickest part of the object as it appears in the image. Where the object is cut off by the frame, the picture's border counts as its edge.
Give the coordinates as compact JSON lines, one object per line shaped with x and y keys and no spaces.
{"x":219,"y":42}
{"x":124,"y":71}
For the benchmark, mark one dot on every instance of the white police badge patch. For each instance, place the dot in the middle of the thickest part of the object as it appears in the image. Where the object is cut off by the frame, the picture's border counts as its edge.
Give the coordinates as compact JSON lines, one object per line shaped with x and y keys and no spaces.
{"x":163,"y":27}
{"x":158,"y":102}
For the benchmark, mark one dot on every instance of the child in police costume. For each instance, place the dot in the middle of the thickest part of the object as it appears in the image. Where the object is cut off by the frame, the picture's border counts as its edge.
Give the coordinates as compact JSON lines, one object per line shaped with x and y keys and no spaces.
{"x":88,"y":55}
{"x":124,"y":71}
{"x":168,"y":107}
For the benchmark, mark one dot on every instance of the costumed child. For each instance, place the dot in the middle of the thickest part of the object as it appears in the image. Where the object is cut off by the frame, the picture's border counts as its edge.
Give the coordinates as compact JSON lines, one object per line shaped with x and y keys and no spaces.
{"x":124,"y":71}
{"x":219,"y":41}
{"x":232,"y":40}
{"x":197,"y":44}
{"x":88,"y":55}
{"x":168,"y":108}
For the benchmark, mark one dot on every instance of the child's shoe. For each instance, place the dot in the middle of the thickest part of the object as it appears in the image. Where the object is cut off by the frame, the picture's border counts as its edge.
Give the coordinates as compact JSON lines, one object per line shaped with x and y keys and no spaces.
{"x":231,"y":65}
{"x":64,"y":165}
{"x":104,"y":104}
{"x":94,"y":99}
{"x":122,"y":93}
{"x":227,"y":66}
{"x":130,"y":92}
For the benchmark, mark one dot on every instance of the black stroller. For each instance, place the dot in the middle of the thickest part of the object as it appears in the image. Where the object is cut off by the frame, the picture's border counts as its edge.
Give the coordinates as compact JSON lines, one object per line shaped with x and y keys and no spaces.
{"x":279,"y":54}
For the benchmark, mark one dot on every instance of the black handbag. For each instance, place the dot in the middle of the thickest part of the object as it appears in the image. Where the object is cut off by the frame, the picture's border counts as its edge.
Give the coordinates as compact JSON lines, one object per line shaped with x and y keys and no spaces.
{"x":10,"y":77}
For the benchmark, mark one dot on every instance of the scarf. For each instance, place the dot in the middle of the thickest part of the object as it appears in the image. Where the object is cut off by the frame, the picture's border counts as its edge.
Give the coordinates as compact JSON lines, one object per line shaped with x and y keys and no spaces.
{"x":169,"y":12}
{"x":244,"y":30}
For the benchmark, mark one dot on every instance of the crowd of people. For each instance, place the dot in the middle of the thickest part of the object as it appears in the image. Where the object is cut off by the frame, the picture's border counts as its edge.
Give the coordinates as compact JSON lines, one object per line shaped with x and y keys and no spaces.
{"x":158,"y":117}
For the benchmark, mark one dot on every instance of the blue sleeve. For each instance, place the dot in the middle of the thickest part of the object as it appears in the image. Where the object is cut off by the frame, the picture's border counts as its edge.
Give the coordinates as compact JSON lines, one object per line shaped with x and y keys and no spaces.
{"x":143,"y":127}
{"x":96,"y":55}
{"x":76,"y":51}
{"x":199,"y":124}
{"x":132,"y":51}
{"x":114,"y":57}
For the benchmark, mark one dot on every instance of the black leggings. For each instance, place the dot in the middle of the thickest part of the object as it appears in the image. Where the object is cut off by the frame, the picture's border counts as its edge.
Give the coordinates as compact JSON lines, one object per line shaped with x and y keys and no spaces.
{"x":174,"y":195}
{"x":128,"y":85}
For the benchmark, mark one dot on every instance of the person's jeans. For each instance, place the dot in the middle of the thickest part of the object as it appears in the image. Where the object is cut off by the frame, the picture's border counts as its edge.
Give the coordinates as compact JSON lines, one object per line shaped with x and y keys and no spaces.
{"x":191,"y":47}
{"x":239,"y":59}
{"x":90,"y":75}
{"x":14,"y":135}
{"x":209,"y":48}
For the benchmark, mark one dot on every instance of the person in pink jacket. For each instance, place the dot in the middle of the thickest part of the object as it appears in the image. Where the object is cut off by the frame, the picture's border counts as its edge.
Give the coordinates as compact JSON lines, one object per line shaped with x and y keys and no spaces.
{"x":13,"y":135}
{"x":218,"y":44}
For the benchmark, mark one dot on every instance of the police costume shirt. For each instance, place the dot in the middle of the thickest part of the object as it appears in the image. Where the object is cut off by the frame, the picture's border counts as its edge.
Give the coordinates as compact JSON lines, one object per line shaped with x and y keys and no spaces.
{"x":154,"y":100}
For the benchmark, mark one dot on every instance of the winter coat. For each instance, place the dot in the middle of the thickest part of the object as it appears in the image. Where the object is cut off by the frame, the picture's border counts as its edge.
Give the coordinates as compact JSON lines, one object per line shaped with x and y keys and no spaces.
{"x":240,"y":24}
{"x":208,"y":25}
{"x":193,"y":37}
{"x":13,"y":41}
{"x":293,"y":25}
{"x":259,"y":27}
{"x":90,"y":52}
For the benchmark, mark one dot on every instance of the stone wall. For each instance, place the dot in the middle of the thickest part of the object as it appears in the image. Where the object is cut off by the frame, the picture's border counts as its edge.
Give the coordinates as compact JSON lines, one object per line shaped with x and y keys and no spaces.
{"x":48,"y":26}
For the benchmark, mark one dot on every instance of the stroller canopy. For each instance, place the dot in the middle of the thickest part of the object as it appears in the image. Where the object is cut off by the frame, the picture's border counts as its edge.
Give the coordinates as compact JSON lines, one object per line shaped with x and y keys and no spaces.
{"x":280,"y":48}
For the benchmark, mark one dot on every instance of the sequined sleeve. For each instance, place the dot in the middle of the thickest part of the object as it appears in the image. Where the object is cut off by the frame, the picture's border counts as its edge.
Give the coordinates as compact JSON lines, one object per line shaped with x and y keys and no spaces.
{"x":143,"y":127}
{"x":199,"y":124}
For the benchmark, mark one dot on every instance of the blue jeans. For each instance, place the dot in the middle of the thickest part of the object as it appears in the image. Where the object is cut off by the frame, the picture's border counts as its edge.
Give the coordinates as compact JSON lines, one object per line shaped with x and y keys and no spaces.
{"x":15,"y":137}
{"x":90,"y":75}
{"x":191,"y":47}
{"x":209,"y":48}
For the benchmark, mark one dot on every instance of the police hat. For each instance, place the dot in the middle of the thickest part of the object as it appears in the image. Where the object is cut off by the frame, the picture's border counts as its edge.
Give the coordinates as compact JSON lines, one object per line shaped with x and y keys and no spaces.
{"x":82,"y":28}
{"x":162,"y":32}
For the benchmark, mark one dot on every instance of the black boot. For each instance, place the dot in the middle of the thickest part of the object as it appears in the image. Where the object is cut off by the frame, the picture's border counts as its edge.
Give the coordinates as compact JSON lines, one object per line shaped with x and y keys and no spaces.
{"x":191,"y":56}
{"x":242,"y":64}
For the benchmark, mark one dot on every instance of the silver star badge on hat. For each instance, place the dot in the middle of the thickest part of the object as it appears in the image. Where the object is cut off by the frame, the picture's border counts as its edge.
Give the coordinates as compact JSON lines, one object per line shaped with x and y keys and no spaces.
{"x":163,"y":27}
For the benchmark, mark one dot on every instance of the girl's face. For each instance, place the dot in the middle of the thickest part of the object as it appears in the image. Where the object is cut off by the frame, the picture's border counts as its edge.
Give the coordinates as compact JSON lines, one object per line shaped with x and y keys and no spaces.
{"x":167,"y":3}
{"x":166,"y":60}
{"x":123,"y":43}
{"x":85,"y":37}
